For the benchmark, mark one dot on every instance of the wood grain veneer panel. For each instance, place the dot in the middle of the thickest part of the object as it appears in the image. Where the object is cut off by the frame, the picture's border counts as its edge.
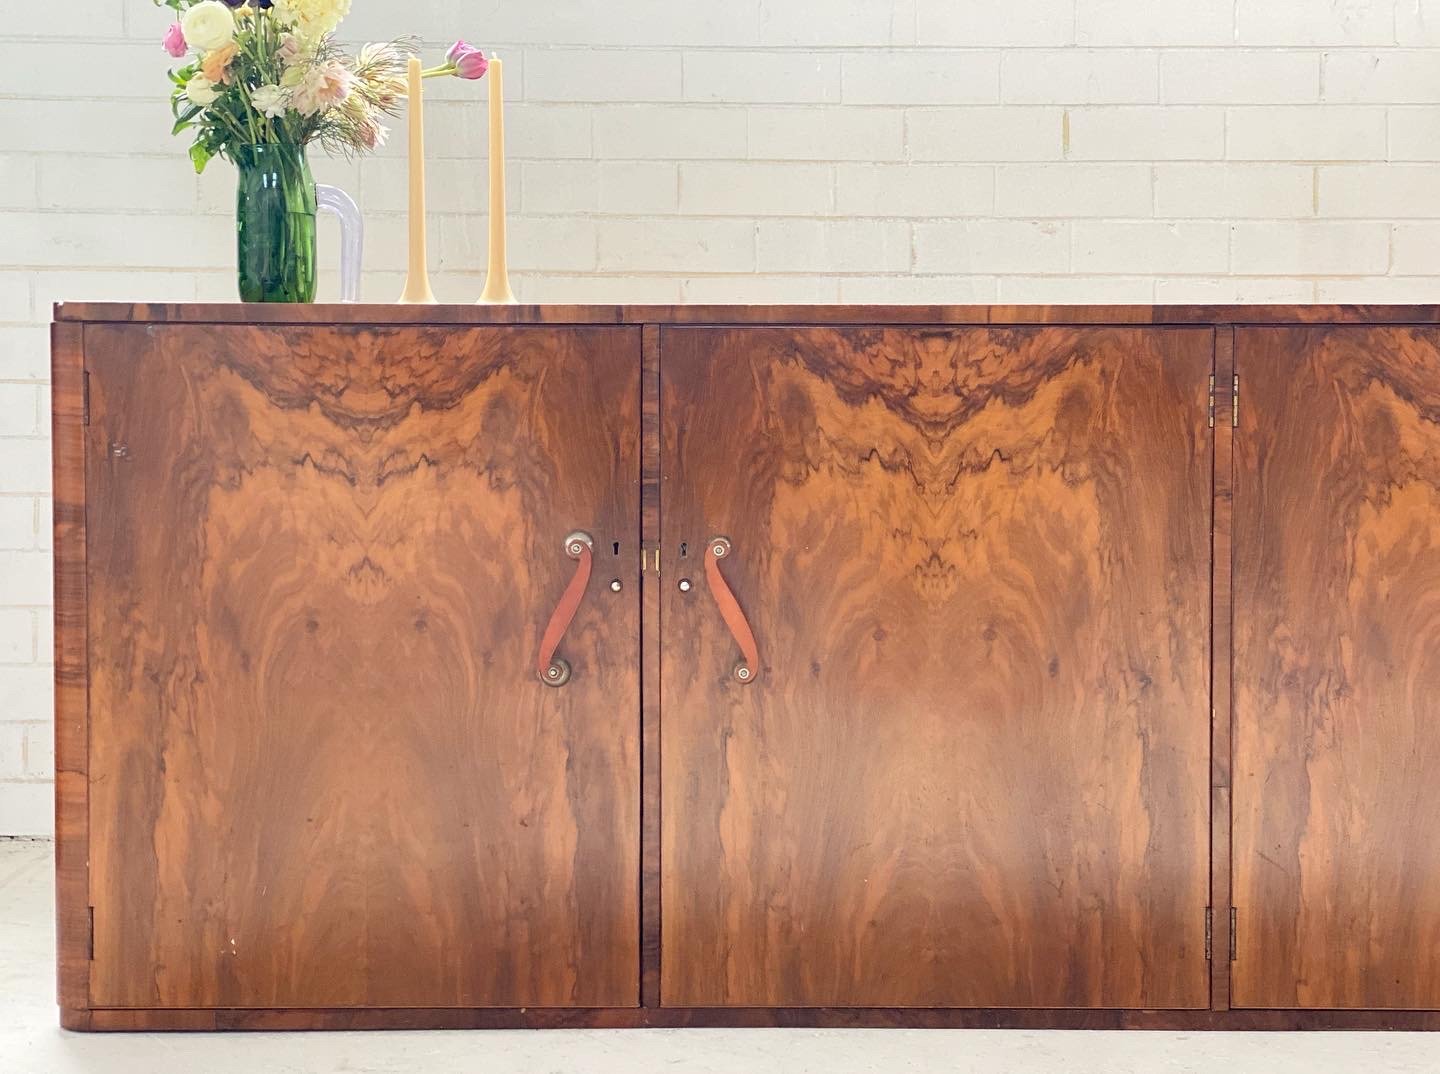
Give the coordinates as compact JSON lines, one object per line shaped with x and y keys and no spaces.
{"x":323,"y":771}
{"x":72,"y":788}
{"x":1337,"y":668}
{"x":650,"y":671}
{"x":1221,"y":545}
{"x":975,"y":767}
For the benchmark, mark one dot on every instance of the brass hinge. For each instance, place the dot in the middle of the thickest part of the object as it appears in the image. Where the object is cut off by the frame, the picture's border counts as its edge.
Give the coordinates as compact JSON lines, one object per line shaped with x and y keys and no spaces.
{"x":1232,"y":934}
{"x":92,"y":934}
{"x":1209,"y":930}
{"x":85,"y":397}
{"x":1212,"y":413}
{"x":1235,"y":401}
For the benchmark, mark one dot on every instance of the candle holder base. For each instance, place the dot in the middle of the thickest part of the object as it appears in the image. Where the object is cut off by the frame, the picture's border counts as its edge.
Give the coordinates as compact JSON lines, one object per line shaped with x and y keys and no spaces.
{"x":417,"y":295}
{"x":497,"y":293}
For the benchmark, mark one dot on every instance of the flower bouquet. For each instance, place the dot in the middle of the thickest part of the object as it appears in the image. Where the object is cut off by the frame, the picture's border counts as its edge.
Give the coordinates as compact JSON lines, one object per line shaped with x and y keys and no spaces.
{"x":264,"y":80}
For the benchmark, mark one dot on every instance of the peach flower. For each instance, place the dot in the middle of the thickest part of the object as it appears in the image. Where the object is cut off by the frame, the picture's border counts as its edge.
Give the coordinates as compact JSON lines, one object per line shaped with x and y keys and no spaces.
{"x":217,"y":61}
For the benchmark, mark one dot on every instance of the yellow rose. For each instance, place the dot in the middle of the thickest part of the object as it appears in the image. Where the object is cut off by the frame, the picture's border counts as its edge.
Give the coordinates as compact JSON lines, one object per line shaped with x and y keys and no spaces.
{"x":313,"y":18}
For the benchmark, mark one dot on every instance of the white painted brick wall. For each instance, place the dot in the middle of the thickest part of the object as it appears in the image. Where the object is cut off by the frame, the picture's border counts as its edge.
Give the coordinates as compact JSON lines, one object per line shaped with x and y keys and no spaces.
{"x":755,"y":150}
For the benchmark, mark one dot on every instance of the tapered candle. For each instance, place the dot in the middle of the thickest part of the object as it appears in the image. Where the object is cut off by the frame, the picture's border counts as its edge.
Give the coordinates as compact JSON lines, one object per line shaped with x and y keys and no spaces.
{"x":417,"y":278}
{"x":497,"y":279}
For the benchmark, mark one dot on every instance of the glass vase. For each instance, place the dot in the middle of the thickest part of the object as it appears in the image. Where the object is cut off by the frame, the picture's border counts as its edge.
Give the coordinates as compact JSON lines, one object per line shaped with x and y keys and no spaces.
{"x":275,"y":224}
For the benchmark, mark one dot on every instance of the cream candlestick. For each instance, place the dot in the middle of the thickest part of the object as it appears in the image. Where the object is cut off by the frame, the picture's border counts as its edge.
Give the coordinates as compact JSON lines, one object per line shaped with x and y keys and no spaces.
{"x":417,"y":278}
{"x":497,"y":279}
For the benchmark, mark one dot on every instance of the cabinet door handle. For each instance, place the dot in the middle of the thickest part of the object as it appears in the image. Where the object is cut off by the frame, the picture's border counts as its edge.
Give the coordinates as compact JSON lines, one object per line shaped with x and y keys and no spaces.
{"x":746,"y":670}
{"x":555,"y":670}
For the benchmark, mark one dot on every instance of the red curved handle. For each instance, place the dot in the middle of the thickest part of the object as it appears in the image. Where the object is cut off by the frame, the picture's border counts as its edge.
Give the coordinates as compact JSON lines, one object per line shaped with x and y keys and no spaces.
{"x":554,"y":670}
{"x":749,"y":668}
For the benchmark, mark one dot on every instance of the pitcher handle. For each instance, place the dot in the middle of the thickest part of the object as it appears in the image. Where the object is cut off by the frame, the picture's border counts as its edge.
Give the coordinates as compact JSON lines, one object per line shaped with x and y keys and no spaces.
{"x":352,"y":236}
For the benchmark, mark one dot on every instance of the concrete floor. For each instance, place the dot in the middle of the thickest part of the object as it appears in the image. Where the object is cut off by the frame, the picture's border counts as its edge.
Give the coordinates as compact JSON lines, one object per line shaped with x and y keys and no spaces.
{"x":32,"y":1043}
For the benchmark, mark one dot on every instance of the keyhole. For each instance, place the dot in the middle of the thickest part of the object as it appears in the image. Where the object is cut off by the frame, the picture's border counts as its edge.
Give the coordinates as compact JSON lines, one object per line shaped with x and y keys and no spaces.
{"x":615,"y":549}
{"x":683,"y":547}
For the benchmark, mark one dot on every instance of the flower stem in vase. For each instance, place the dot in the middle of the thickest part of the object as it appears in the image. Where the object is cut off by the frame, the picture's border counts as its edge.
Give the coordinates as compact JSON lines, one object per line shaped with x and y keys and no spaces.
{"x":275,"y":223}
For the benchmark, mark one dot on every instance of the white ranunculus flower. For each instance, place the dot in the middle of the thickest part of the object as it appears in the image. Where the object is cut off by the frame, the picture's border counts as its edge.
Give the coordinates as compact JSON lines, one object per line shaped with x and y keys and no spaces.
{"x":201,"y":91}
{"x":208,"y":25}
{"x":271,"y":101}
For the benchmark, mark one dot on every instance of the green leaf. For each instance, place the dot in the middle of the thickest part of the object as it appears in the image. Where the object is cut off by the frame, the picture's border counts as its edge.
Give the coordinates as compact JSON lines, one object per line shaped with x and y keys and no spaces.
{"x":200,"y":156}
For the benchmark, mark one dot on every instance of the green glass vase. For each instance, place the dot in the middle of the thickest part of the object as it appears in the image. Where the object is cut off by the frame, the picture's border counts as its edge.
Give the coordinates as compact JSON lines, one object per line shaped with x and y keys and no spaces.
{"x":275,"y":224}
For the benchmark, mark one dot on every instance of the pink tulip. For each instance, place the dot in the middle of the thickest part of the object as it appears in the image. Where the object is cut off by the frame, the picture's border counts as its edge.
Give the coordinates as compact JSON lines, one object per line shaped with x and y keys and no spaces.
{"x":468,"y":61}
{"x":174,"y":40}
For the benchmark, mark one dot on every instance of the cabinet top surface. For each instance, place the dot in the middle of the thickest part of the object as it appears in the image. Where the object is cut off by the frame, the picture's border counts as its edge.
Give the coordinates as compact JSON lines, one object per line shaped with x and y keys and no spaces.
{"x":395,"y":314}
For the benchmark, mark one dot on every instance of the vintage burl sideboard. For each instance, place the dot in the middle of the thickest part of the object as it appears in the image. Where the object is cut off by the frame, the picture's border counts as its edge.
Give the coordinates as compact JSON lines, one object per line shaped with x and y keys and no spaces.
{"x":464,"y":666}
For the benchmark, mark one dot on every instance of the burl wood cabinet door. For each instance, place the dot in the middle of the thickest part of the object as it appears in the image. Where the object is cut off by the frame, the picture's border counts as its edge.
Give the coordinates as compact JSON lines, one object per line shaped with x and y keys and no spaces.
{"x":971,"y":766}
{"x":1337,"y":668}
{"x":324,"y":769}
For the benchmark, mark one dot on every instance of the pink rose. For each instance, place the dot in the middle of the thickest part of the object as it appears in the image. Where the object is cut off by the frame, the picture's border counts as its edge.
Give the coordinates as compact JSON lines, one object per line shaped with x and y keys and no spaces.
{"x":174,"y":40}
{"x":468,"y":61}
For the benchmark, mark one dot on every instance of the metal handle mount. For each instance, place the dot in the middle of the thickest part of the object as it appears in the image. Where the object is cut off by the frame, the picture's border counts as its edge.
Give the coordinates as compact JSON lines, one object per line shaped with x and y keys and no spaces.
{"x":555,"y":670}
